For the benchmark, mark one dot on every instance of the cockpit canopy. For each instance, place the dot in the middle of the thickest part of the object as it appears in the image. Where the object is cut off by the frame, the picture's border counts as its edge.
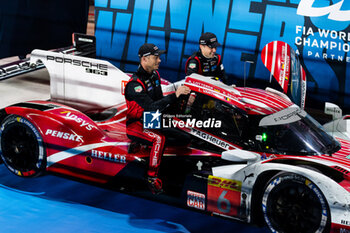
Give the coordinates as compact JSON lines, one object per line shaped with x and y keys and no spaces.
{"x":290,"y":131}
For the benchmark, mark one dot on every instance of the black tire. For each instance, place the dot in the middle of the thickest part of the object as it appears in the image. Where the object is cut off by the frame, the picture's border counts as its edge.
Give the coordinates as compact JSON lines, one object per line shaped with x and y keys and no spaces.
{"x":22,"y":147}
{"x":292,"y":203}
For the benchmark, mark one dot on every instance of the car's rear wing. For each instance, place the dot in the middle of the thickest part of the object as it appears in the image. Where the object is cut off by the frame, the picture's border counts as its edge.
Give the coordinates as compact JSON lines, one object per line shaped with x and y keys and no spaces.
{"x":83,"y":45}
{"x":82,"y":82}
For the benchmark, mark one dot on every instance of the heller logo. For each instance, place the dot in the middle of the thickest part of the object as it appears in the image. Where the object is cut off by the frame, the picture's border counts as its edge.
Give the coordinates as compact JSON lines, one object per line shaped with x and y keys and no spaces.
{"x":151,"y":120}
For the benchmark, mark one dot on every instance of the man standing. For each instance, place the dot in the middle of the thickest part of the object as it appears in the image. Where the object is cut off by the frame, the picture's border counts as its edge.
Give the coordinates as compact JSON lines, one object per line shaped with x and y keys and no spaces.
{"x":205,"y":61}
{"x":143,"y":93}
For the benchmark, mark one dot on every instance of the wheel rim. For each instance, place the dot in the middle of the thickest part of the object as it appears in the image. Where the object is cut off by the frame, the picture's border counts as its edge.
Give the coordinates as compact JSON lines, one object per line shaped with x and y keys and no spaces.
{"x":19,"y":147}
{"x":294,"y":206}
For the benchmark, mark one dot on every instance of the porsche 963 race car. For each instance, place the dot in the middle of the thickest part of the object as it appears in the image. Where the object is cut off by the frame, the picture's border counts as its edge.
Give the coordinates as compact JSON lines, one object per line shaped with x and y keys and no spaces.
{"x":255,"y":155}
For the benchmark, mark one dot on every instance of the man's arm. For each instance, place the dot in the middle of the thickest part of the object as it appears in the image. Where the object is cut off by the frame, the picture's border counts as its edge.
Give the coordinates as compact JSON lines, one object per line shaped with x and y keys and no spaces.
{"x":135,"y":92}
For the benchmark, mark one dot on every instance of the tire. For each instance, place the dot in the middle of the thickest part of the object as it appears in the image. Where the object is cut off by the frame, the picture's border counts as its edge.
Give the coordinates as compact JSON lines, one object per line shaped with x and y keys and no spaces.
{"x":21,"y":147}
{"x":292,"y":203}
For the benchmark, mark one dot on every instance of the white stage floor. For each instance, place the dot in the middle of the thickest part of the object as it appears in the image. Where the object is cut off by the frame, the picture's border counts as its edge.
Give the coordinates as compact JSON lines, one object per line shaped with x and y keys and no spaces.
{"x":31,"y":86}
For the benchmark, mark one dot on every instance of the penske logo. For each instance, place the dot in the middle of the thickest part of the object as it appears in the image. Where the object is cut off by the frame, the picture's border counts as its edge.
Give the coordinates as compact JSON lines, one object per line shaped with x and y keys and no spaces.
{"x":219,"y":182}
{"x":64,"y":135}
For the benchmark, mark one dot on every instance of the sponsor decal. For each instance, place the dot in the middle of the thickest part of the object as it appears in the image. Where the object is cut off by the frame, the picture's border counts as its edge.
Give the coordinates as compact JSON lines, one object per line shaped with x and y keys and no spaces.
{"x":284,"y":74}
{"x":66,"y":154}
{"x":192,"y":65}
{"x":82,"y":123}
{"x":206,"y":88}
{"x":157,"y":146}
{"x":209,"y":138}
{"x":95,"y":71}
{"x":285,"y":116}
{"x":108,"y":156}
{"x":303,"y":93}
{"x":226,"y":194}
{"x":64,"y":135}
{"x":219,"y":182}
{"x":138,"y":88}
{"x":195,"y":200}
{"x":90,"y":67}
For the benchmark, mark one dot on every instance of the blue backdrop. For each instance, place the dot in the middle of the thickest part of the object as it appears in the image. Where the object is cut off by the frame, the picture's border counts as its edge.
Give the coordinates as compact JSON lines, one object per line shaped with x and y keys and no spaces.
{"x":317,"y":30}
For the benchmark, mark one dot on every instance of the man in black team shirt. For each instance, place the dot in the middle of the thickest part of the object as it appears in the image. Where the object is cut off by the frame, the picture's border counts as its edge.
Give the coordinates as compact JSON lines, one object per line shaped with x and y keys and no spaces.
{"x":143,"y":93}
{"x":205,"y":61}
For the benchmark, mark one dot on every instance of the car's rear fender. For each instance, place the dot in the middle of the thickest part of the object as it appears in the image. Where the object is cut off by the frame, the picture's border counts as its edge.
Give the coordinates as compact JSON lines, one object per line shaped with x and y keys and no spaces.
{"x":75,"y":145}
{"x":60,"y":127}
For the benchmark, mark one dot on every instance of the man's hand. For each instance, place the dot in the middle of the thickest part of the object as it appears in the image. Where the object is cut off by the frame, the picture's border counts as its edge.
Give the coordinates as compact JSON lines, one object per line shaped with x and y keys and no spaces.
{"x":182,"y":90}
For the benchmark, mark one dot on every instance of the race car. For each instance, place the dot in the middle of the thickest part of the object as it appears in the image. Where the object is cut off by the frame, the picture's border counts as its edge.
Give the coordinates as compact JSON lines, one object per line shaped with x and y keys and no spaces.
{"x":254,"y":155}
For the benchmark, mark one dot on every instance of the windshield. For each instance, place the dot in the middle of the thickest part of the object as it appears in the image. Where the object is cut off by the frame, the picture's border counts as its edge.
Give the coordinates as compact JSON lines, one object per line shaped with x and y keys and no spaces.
{"x":295,"y":79}
{"x":293,"y":132}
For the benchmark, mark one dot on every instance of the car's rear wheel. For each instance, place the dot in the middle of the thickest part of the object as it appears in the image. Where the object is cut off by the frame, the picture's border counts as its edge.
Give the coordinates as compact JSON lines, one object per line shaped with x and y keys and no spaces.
{"x":292,"y":203}
{"x":22,"y":147}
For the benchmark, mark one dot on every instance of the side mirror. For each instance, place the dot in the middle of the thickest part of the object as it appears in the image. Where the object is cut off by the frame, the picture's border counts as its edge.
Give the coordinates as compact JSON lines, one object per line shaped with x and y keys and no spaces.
{"x":333,"y":109}
{"x":238,"y":155}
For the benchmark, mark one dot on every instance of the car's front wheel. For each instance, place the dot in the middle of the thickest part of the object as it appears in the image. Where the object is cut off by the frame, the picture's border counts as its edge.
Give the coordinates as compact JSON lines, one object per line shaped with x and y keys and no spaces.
{"x":22,"y":147}
{"x":293,"y":203}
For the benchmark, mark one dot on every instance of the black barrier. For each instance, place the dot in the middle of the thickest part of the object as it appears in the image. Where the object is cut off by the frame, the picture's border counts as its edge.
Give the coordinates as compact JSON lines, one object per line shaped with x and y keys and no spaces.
{"x":38,"y":24}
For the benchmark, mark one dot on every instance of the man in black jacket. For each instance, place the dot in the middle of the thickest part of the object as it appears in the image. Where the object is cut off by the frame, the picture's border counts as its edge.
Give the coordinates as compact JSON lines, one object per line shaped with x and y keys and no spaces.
{"x":143,"y":93}
{"x":205,"y":61}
